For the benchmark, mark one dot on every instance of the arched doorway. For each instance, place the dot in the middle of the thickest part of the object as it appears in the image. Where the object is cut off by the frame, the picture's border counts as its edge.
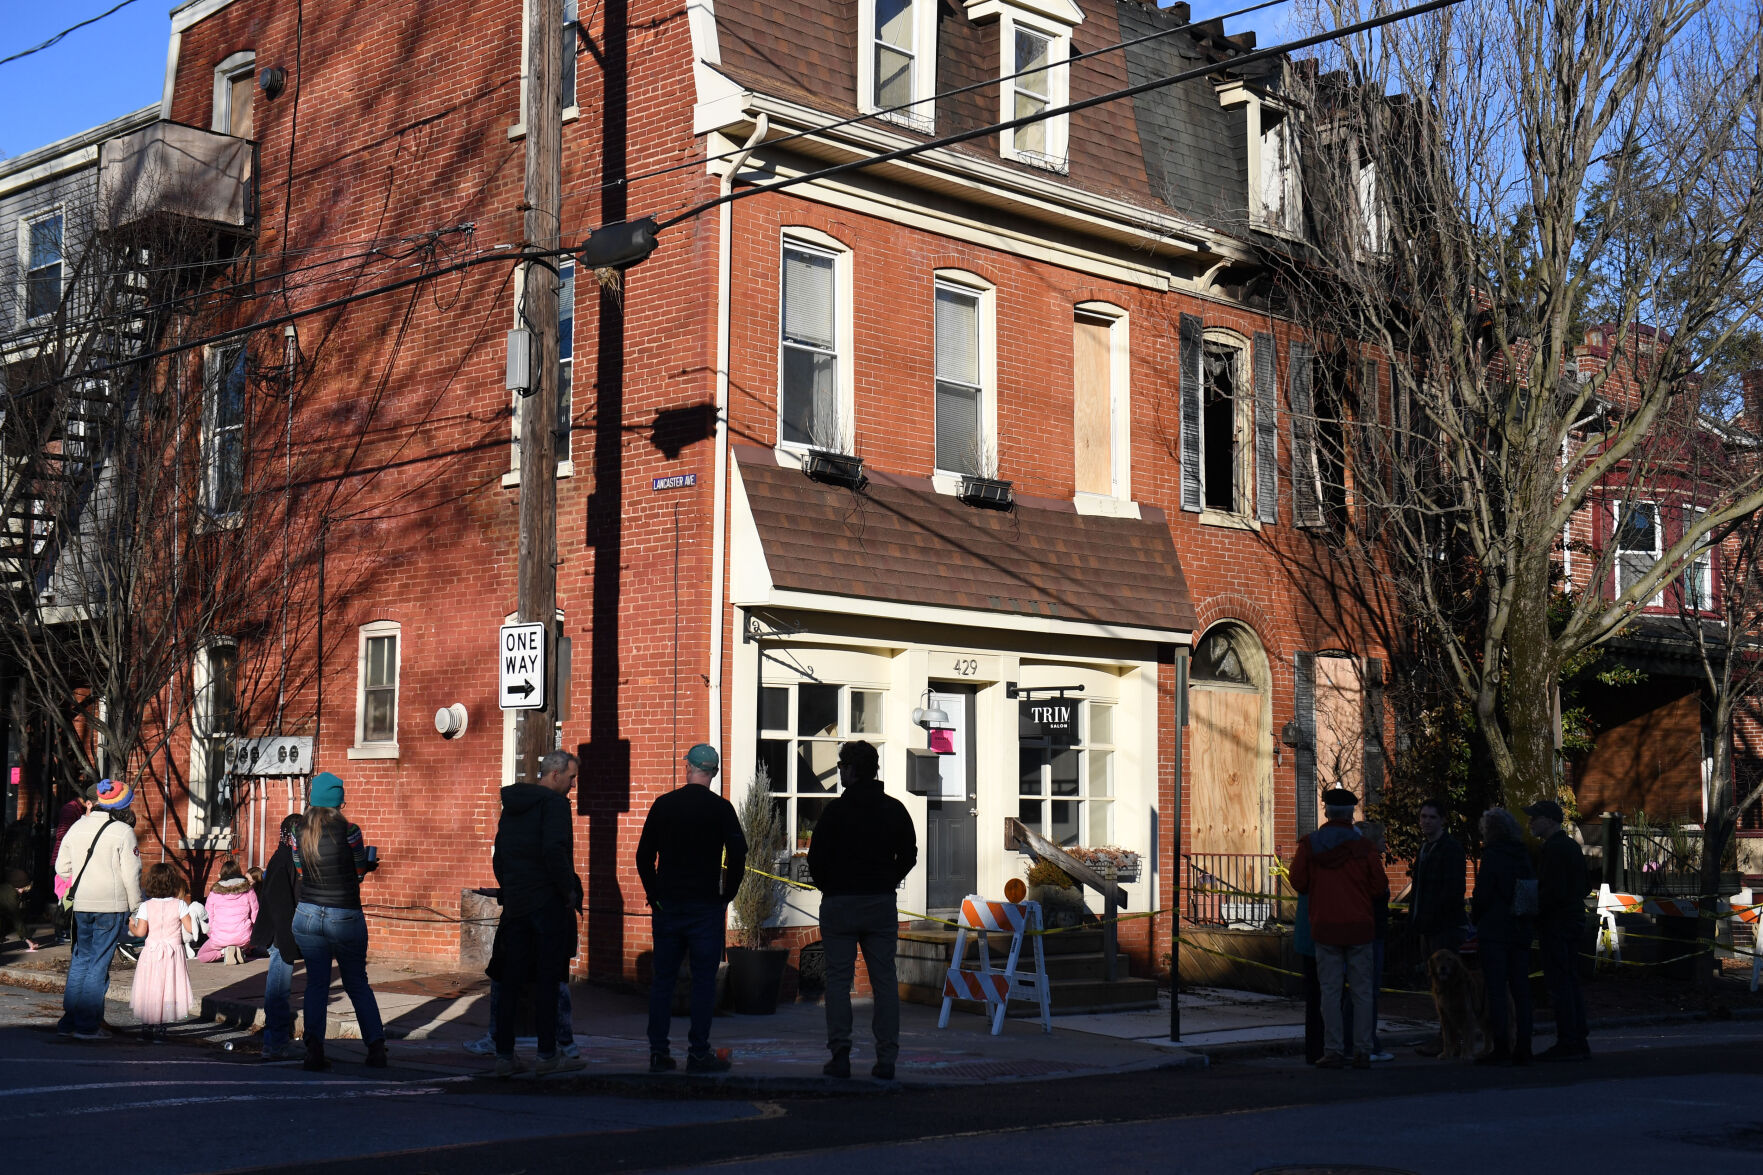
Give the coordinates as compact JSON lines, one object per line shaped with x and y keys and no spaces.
{"x":1230,"y":770}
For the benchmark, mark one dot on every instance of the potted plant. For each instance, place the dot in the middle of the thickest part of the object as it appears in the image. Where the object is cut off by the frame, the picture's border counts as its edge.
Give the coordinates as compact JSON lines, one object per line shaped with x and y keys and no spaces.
{"x":1062,"y":901}
{"x":755,"y":968}
{"x":1124,"y":861}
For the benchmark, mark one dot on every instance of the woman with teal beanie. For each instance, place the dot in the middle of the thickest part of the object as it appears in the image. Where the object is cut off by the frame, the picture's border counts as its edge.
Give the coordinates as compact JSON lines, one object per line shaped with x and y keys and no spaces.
{"x":330,"y":859}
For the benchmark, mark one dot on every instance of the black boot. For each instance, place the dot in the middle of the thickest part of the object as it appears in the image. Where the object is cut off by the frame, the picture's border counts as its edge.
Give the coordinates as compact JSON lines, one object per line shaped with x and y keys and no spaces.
{"x":840,"y":1065}
{"x":315,"y":1062}
{"x":376,"y":1054}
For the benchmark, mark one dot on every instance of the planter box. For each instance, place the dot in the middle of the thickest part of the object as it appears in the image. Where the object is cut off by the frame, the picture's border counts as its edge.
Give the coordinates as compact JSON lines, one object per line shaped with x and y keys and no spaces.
{"x":842,"y":469}
{"x":986,"y":491}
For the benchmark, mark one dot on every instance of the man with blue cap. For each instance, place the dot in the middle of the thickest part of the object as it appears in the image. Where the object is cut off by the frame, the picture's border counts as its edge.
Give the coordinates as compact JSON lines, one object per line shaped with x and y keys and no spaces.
{"x":691,"y":857}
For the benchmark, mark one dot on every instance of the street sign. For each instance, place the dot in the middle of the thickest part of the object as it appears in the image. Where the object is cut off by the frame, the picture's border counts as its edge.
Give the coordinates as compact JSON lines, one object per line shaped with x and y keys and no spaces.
{"x":520,"y":660}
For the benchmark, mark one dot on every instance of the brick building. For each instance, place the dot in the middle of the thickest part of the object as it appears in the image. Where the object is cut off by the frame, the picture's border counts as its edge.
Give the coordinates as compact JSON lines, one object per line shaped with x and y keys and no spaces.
{"x":1070,"y":314}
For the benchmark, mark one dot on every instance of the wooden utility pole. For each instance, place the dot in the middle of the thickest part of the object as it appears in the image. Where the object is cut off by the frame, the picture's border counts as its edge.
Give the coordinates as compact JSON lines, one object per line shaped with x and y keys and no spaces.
{"x":538,"y":425}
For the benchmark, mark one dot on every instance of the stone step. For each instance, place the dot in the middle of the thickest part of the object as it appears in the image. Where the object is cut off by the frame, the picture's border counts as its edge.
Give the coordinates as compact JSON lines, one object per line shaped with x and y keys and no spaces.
{"x":1064,"y":942}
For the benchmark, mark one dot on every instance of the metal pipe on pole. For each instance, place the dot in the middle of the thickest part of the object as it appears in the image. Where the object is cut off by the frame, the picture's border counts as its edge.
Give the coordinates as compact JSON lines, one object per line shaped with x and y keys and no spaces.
{"x":542,"y":230}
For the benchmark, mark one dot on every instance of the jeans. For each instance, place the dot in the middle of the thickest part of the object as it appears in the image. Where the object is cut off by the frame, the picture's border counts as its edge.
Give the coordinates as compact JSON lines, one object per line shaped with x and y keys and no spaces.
{"x":1506,"y":969}
{"x":849,"y":921}
{"x":1312,"y":1010}
{"x":535,"y":944}
{"x":565,"y":1012}
{"x":278,"y":1011}
{"x":88,"y":972}
{"x":325,"y":933}
{"x":1349,"y":966}
{"x":1559,"y":945}
{"x":682,"y":929}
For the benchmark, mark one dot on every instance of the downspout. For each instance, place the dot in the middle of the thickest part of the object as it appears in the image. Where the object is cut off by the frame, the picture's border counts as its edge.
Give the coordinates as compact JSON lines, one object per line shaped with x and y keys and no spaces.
{"x":719,"y":523}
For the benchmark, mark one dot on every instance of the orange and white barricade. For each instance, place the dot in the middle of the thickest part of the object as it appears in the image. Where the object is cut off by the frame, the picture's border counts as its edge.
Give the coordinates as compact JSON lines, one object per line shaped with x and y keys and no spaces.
{"x":1611,"y":903}
{"x":1746,"y":909}
{"x":997,"y":988}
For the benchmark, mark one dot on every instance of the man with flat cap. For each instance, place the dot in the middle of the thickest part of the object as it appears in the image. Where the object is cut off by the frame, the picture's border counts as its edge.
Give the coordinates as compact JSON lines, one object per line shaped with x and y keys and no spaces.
{"x":1343,"y":875}
{"x":691,"y":857}
{"x":1561,"y":891}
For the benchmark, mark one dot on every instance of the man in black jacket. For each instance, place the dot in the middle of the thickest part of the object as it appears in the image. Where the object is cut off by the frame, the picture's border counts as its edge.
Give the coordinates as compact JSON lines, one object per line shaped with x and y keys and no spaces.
{"x":863,"y":847}
{"x":1435,"y":899}
{"x":534,"y":860}
{"x":277,"y":895}
{"x":1561,"y":891}
{"x":691,"y":857}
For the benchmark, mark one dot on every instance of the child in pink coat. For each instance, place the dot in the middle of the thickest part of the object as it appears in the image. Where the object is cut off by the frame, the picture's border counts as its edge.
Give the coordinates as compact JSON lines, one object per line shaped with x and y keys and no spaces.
{"x":232,"y":909}
{"x":161,"y":991}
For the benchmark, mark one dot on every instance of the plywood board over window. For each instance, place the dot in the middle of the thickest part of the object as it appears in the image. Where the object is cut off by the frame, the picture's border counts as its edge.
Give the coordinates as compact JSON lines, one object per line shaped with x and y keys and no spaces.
{"x":1340,"y":726}
{"x":1092,"y":379}
{"x":1226,"y":794}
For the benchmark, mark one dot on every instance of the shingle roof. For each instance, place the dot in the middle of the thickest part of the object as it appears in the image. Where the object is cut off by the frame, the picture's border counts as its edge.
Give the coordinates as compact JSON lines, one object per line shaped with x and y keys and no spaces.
{"x":897,"y":539}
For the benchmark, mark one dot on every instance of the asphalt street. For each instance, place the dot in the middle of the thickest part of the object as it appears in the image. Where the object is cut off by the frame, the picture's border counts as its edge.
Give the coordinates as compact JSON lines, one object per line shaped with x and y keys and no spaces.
{"x":1655,"y":1098}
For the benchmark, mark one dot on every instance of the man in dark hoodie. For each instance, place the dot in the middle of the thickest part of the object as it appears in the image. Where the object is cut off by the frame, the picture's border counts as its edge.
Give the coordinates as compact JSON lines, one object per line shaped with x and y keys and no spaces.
{"x":541,"y":895}
{"x":1342,"y":873}
{"x":277,"y":895}
{"x":863,"y":847}
{"x":1561,"y":892}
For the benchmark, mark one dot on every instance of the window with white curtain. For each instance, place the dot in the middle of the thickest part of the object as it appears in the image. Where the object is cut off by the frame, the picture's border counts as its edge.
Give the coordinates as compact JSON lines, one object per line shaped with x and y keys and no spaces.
{"x":809,"y":393}
{"x":962,"y":446}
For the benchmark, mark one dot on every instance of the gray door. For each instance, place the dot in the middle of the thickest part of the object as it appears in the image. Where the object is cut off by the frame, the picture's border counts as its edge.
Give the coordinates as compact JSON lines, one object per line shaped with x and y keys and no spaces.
{"x":950,"y":849}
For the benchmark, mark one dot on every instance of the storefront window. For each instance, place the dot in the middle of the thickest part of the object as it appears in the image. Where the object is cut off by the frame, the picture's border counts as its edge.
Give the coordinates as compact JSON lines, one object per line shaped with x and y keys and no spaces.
{"x":800,"y":729}
{"x":1065,"y":781}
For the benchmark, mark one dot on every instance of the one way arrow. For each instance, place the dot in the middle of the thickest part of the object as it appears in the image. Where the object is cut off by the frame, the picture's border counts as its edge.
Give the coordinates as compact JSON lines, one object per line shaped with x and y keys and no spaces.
{"x":524,"y":689}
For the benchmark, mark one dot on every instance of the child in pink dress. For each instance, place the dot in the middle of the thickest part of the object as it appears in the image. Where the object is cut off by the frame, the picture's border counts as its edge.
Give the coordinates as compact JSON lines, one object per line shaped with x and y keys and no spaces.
{"x":161,"y":991}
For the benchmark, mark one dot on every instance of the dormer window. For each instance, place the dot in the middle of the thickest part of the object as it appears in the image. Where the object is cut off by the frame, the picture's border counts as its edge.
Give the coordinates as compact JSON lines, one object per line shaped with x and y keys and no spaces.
{"x":896,"y":63}
{"x":1035,"y":39}
{"x":1276,"y":181}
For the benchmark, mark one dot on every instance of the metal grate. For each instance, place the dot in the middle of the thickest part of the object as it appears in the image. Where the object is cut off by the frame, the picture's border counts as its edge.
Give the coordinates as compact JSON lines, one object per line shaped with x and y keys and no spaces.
{"x":1231,"y":889}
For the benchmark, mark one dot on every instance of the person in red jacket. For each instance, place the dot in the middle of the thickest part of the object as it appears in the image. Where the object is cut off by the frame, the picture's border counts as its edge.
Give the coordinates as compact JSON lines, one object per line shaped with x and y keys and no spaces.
{"x":1342,"y":873}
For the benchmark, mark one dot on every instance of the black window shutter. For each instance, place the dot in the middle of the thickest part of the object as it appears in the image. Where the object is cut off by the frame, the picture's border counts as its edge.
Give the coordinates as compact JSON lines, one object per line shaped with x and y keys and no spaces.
{"x":1192,"y":485}
{"x":1266,"y":430}
{"x":1304,"y":705}
{"x":1306,"y":498}
{"x":1373,"y":735}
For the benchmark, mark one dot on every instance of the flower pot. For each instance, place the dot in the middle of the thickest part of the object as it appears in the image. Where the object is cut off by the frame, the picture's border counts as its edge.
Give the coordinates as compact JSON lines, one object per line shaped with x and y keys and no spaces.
{"x":1060,"y":906}
{"x":986,"y":491}
{"x":756,"y":979}
{"x":843,"y":469}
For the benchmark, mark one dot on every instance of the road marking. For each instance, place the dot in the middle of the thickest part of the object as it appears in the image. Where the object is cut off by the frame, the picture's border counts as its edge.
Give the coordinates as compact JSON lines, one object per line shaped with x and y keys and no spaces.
{"x":291,"y":1095}
{"x":330,"y":1083}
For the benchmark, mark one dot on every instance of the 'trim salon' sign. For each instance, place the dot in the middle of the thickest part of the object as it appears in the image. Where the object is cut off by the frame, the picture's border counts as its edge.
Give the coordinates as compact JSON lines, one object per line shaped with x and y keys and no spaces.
{"x":1054,"y":719}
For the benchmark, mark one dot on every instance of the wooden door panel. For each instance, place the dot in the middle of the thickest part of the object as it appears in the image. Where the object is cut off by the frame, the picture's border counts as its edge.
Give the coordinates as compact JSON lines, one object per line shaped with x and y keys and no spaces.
{"x":1224,"y":784}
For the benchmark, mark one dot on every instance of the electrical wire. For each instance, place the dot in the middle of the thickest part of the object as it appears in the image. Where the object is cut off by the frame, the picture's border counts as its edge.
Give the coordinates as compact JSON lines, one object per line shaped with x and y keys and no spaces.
{"x":943,"y":94}
{"x":64,"y":32}
{"x":1059,"y":111}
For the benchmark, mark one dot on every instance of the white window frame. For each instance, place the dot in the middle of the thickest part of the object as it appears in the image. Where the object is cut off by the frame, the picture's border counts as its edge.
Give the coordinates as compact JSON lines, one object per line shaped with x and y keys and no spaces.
{"x":1119,"y":402}
{"x":1243,"y":469}
{"x":921,"y":116}
{"x":565,"y":449}
{"x":949,"y":480}
{"x":235,"y":67}
{"x":1701,"y":565}
{"x":1374,"y":220}
{"x":1256,"y":105}
{"x":207,"y":745}
{"x":25,"y":225}
{"x":1053,"y":19}
{"x":382,"y":748}
{"x":789,"y":795}
{"x":1088,"y":835}
{"x":845,"y":427}
{"x":570,"y":13}
{"x":214,"y":372}
{"x":1658,"y":550}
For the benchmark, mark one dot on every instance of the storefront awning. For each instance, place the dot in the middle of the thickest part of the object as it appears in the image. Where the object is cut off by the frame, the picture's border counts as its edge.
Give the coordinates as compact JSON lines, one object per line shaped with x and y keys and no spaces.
{"x":899,"y":541}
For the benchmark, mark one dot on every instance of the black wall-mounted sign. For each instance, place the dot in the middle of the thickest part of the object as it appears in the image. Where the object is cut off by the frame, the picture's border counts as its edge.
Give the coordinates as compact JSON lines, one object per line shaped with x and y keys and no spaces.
{"x":1048,"y":718}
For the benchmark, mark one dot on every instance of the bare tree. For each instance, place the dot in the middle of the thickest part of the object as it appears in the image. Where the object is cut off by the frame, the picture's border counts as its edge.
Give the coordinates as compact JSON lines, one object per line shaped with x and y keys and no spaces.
{"x":1478,"y":183}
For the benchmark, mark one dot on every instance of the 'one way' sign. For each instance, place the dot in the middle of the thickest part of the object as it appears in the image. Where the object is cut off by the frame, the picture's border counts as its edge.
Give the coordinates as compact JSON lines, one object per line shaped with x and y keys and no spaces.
{"x":520,"y":658}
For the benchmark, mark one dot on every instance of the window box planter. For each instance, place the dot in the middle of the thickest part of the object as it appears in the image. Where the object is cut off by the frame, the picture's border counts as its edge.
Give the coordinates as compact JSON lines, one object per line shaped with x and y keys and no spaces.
{"x":844,"y":469}
{"x":1125,"y":861}
{"x":986,"y":491}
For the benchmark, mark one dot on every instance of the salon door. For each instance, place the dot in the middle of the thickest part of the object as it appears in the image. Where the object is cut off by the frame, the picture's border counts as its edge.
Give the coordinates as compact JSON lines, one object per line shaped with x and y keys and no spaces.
{"x":951,"y":817}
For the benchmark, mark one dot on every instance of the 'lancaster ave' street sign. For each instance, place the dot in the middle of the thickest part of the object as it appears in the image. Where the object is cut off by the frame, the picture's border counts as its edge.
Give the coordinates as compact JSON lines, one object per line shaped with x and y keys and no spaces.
{"x":520,"y":661}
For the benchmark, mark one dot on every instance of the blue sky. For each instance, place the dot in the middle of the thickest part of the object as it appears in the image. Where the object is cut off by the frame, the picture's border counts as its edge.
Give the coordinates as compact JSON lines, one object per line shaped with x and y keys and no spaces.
{"x":120,"y":64}
{"x":92,"y":76}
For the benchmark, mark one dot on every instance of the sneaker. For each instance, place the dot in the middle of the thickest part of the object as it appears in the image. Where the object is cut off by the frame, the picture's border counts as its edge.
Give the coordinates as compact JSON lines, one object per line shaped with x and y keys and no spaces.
{"x":839,"y":1065}
{"x":98,"y":1033}
{"x":1332,"y":1061}
{"x":558,"y":1063}
{"x":707,"y":1063}
{"x":1361,"y":1060}
{"x":508,"y":1067}
{"x":571,"y":1049}
{"x":662,"y":1063}
{"x":883,"y":1071}
{"x":233,"y":956}
{"x":483,"y":1046}
{"x":1380,"y":1058}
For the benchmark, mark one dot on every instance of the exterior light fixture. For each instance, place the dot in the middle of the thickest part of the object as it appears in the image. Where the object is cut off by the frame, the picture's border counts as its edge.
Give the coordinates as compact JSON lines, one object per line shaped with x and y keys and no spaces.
{"x":930,"y":715}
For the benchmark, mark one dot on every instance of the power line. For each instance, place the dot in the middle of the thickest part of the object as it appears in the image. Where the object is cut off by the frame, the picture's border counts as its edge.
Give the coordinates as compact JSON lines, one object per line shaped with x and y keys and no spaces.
{"x":64,"y":32}
{"x":1057,"y":111}
{"x":940,"y":95}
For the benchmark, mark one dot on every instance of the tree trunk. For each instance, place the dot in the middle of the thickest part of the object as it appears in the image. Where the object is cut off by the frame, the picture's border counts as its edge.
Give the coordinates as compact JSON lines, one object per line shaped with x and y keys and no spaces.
{"x":1528,"y":692}
{"x":1717,"y":830}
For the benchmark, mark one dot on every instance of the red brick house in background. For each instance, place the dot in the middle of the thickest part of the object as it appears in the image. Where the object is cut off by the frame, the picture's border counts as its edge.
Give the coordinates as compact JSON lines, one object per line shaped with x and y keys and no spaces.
{"x":1073,"y":308}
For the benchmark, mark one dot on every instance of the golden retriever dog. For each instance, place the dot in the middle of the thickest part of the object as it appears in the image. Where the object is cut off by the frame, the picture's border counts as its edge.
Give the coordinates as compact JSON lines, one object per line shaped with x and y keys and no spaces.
{"x":1460,"y":996}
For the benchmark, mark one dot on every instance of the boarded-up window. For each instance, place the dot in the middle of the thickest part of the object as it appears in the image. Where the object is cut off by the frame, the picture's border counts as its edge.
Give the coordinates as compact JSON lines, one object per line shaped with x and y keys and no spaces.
{"x":1340,"y":725}
{"x":1092,"y":391}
